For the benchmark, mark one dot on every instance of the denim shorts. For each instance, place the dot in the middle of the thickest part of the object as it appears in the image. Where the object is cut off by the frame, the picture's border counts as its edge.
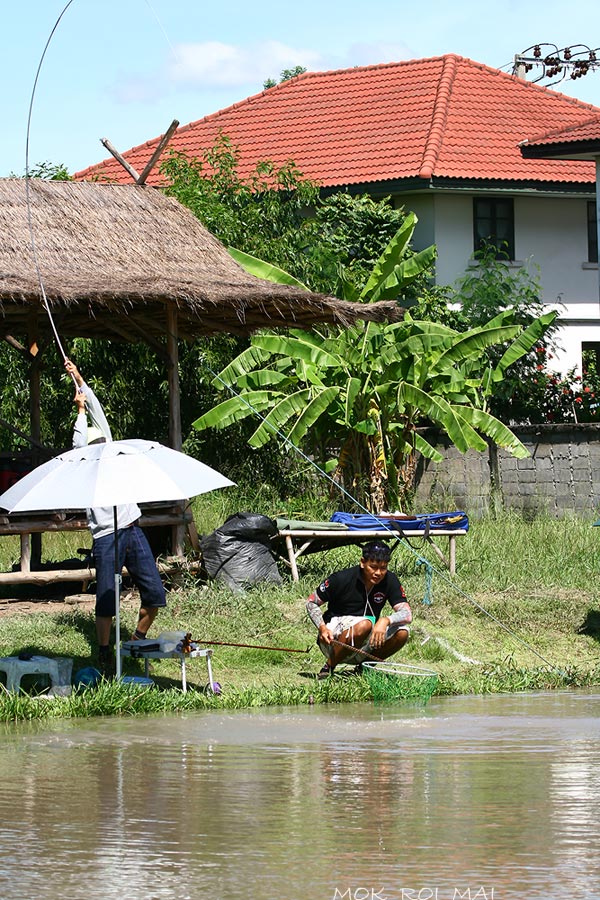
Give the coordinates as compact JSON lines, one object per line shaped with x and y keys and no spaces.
{"x":135,"y":554}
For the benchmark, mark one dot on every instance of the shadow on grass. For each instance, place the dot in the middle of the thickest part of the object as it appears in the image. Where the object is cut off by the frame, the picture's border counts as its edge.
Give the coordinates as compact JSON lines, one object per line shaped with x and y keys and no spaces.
{"x":591,"y":624}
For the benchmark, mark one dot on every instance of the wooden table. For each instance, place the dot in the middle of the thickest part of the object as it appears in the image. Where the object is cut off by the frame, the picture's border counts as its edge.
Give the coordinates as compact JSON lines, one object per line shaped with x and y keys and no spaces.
{"x":301,"y":541}
{"x":26,"y":524}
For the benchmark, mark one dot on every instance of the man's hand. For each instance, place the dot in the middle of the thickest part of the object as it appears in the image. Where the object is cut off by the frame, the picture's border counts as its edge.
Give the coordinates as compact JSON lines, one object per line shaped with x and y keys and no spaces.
{"x":325,"y":634}
{"x":73,"y":372}
{"x":377,"y":638}
{"x":79,"y":400}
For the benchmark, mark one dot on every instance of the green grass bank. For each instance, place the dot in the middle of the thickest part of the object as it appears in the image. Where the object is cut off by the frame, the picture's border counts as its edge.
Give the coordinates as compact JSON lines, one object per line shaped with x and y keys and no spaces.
{"x":522,"y":613}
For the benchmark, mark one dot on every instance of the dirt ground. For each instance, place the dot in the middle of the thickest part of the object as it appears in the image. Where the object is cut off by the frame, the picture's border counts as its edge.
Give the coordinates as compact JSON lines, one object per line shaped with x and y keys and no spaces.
{"x":22,"y":605}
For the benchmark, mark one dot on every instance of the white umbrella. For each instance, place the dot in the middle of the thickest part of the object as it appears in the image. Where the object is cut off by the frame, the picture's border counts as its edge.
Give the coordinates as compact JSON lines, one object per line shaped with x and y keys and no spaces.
{"x":112,"y":474}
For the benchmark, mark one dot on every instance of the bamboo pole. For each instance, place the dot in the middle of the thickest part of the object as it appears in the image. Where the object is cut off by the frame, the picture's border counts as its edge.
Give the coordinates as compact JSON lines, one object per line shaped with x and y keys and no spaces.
{"x":175,"y":437}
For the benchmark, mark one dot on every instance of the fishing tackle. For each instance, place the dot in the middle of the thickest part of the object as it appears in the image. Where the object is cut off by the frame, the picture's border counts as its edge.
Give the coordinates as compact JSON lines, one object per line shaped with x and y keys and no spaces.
{"x":253,"y":646}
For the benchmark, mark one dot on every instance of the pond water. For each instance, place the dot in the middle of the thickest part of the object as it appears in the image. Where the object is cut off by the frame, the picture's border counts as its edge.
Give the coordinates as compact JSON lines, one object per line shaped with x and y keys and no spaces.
{"x":470,"y":797}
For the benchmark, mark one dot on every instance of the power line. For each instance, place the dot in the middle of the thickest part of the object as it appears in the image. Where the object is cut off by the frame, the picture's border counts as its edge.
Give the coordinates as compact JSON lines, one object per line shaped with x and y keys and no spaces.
{"x":571,"y":62}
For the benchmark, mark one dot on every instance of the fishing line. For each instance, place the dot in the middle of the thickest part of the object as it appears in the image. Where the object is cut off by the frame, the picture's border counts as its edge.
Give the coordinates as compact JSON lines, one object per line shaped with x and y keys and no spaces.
{"x":27,"y":184}
{"x":40,"y":280}
{"x":160,"y":25}
{"x":393,"y":534}
{"x":275,"y":430}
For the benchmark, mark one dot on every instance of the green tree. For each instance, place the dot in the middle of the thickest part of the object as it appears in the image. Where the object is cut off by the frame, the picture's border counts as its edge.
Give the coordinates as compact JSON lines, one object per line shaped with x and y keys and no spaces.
{"x":285,"y":75}
{"x":488,"y":288}
{"x":49,"y":171}
{"x":330,"y":243}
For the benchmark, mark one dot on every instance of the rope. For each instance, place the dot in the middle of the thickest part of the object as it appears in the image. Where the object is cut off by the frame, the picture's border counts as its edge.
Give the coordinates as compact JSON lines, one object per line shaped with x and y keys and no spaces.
{"x":427,"y":596}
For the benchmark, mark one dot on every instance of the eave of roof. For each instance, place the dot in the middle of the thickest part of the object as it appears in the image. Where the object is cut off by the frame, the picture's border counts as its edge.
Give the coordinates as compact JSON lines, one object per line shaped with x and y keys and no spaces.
{"x":577,"y":142}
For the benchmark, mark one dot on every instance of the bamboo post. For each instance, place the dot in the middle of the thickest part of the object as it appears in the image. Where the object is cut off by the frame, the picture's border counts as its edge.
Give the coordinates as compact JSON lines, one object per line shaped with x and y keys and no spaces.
{"x":35,"y":544}
{"x":158,"y":152}
{"x":175,"y":439}
{"x":120,"y":159}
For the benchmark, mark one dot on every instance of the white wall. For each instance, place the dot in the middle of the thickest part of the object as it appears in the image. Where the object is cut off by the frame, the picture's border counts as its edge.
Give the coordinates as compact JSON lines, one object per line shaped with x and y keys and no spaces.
{"x":550,"y":237}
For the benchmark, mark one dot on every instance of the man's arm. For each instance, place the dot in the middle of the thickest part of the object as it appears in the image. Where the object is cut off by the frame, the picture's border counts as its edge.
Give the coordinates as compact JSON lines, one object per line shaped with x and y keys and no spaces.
{"x":94,"y":407}
{"x":80,"y":429}
{"x":401,"y":613}
{"x":313,"y":605}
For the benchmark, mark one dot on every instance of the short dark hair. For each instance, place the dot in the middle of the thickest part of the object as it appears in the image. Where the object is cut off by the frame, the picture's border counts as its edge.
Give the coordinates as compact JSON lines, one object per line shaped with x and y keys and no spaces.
{"x":377,"y":550}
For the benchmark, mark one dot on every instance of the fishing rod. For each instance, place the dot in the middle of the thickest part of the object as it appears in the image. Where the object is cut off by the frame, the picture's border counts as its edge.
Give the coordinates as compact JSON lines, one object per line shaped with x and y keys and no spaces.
{"x":398,"y":538}
{"x":250,"y":646}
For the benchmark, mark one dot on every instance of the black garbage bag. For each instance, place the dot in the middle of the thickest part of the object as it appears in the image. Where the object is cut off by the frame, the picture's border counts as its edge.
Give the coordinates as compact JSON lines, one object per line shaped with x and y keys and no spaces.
{"x":239,"y":551}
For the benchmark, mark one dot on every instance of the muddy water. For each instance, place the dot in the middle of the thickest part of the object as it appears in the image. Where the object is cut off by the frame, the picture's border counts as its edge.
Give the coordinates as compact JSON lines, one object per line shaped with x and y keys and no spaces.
{"x":493,"y":797}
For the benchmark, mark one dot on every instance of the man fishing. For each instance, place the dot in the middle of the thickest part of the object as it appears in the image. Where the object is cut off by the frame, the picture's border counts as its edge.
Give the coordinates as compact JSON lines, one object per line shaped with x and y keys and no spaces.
{"x":134,"y":551}
{"x":352,"y":630}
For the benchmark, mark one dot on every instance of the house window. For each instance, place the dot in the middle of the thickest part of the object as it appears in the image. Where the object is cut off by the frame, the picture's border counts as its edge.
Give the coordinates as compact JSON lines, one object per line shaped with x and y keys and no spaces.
{"x":494,"y":223}
{"x":590,"y":358}
{"x":592,"y":229}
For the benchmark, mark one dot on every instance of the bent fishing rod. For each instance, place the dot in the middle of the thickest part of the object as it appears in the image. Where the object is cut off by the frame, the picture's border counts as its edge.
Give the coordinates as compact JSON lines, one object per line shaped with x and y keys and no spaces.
{"x":250,"y":646}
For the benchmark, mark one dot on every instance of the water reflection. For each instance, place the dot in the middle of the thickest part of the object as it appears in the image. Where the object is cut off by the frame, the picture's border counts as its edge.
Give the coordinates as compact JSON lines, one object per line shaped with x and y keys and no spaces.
{"x":467,"y":797}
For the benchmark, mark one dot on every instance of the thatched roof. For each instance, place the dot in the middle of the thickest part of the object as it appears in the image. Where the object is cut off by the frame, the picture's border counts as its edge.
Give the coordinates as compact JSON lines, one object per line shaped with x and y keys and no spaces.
{"x":113,"y":258}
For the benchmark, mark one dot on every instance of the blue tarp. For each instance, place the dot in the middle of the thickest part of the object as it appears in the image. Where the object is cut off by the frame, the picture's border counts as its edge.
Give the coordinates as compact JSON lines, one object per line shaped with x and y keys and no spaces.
{"x":431,"y":521}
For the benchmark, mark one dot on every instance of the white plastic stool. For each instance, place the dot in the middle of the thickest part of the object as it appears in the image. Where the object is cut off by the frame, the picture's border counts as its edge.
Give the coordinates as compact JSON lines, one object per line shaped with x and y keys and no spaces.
{"x":59,"y":671}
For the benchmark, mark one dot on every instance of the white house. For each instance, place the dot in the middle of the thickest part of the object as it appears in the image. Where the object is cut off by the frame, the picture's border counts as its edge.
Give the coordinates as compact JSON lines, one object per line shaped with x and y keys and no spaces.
{"x":440,"y":136}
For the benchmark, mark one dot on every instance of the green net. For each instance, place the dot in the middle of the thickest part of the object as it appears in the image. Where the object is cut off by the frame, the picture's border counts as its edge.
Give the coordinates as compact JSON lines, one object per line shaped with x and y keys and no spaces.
{"x":397,"y":681}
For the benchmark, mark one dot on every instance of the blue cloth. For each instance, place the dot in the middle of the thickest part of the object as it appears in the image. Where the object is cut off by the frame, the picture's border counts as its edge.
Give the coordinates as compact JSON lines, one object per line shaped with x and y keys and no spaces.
{"x":135,"y":554}
{"x":367,"y":522}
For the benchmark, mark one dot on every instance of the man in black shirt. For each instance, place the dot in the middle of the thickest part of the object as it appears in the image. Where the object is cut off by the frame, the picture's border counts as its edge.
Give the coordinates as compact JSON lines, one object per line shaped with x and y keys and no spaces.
{"x":353,"y":622}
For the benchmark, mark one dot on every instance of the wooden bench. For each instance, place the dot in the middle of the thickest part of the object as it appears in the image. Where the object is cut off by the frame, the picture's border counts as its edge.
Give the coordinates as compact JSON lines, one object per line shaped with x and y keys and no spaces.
{"x":26,"y":524}
{"x":301,"y":541}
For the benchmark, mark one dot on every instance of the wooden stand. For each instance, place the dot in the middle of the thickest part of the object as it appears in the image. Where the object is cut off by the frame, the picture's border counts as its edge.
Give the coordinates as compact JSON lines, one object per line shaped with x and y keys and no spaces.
{"x":126,"y":651}
{"x":305,"y":541}
{"x":28,"y":524}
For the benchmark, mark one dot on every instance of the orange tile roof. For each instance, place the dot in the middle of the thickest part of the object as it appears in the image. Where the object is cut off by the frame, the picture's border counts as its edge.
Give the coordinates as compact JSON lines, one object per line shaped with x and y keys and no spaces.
{"x":585,"y":131}
{"x":444,"y":117}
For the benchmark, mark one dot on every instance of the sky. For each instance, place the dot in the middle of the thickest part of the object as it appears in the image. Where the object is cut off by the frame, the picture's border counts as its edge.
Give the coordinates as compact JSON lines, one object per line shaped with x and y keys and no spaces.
{"x":124,"y":69}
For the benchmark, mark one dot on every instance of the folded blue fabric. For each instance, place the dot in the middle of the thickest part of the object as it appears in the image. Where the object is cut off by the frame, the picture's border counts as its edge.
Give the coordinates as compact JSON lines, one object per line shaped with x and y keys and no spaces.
{"x":431,"y":521}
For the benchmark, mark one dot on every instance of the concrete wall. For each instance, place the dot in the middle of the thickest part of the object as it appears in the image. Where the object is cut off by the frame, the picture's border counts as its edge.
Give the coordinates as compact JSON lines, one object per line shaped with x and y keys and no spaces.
{"x":562,"y":475}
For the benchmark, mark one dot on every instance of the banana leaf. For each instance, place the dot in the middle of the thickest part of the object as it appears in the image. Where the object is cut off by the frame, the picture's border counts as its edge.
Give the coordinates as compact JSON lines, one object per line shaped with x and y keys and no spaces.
{"x":311,"y":413}
{"x":523,"y":344}
{"x":234,"y":409}
{"x":297,"y":349}
{"x":278,"y":417}
{"x":495,"y":429}
{"x":261,"y":269}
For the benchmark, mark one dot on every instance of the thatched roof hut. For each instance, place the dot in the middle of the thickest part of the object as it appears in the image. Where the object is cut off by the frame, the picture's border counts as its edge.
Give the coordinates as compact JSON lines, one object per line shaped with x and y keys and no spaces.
{"x":115,"y":260}
{"x":125,"y":262}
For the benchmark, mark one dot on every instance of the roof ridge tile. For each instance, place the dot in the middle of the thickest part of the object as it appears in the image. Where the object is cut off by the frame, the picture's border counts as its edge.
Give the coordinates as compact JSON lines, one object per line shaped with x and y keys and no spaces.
{"x":435,"y":137}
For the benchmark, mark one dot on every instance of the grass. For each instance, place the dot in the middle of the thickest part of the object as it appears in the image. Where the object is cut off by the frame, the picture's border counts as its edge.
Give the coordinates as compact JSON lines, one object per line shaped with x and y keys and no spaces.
{"x":522,"y":613}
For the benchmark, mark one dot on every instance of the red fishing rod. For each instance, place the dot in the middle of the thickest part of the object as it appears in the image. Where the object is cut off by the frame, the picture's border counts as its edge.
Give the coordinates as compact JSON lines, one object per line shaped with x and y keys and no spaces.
{"x":191,"y":640}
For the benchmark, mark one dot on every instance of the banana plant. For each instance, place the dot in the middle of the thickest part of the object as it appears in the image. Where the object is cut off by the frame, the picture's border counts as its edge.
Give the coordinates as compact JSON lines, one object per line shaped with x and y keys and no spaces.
{"x":393,"y":271}
{"x":354,"y":398}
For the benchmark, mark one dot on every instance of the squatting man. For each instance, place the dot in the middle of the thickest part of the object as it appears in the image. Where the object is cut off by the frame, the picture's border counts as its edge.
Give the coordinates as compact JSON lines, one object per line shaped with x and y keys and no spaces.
{"x":352,"y":629}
